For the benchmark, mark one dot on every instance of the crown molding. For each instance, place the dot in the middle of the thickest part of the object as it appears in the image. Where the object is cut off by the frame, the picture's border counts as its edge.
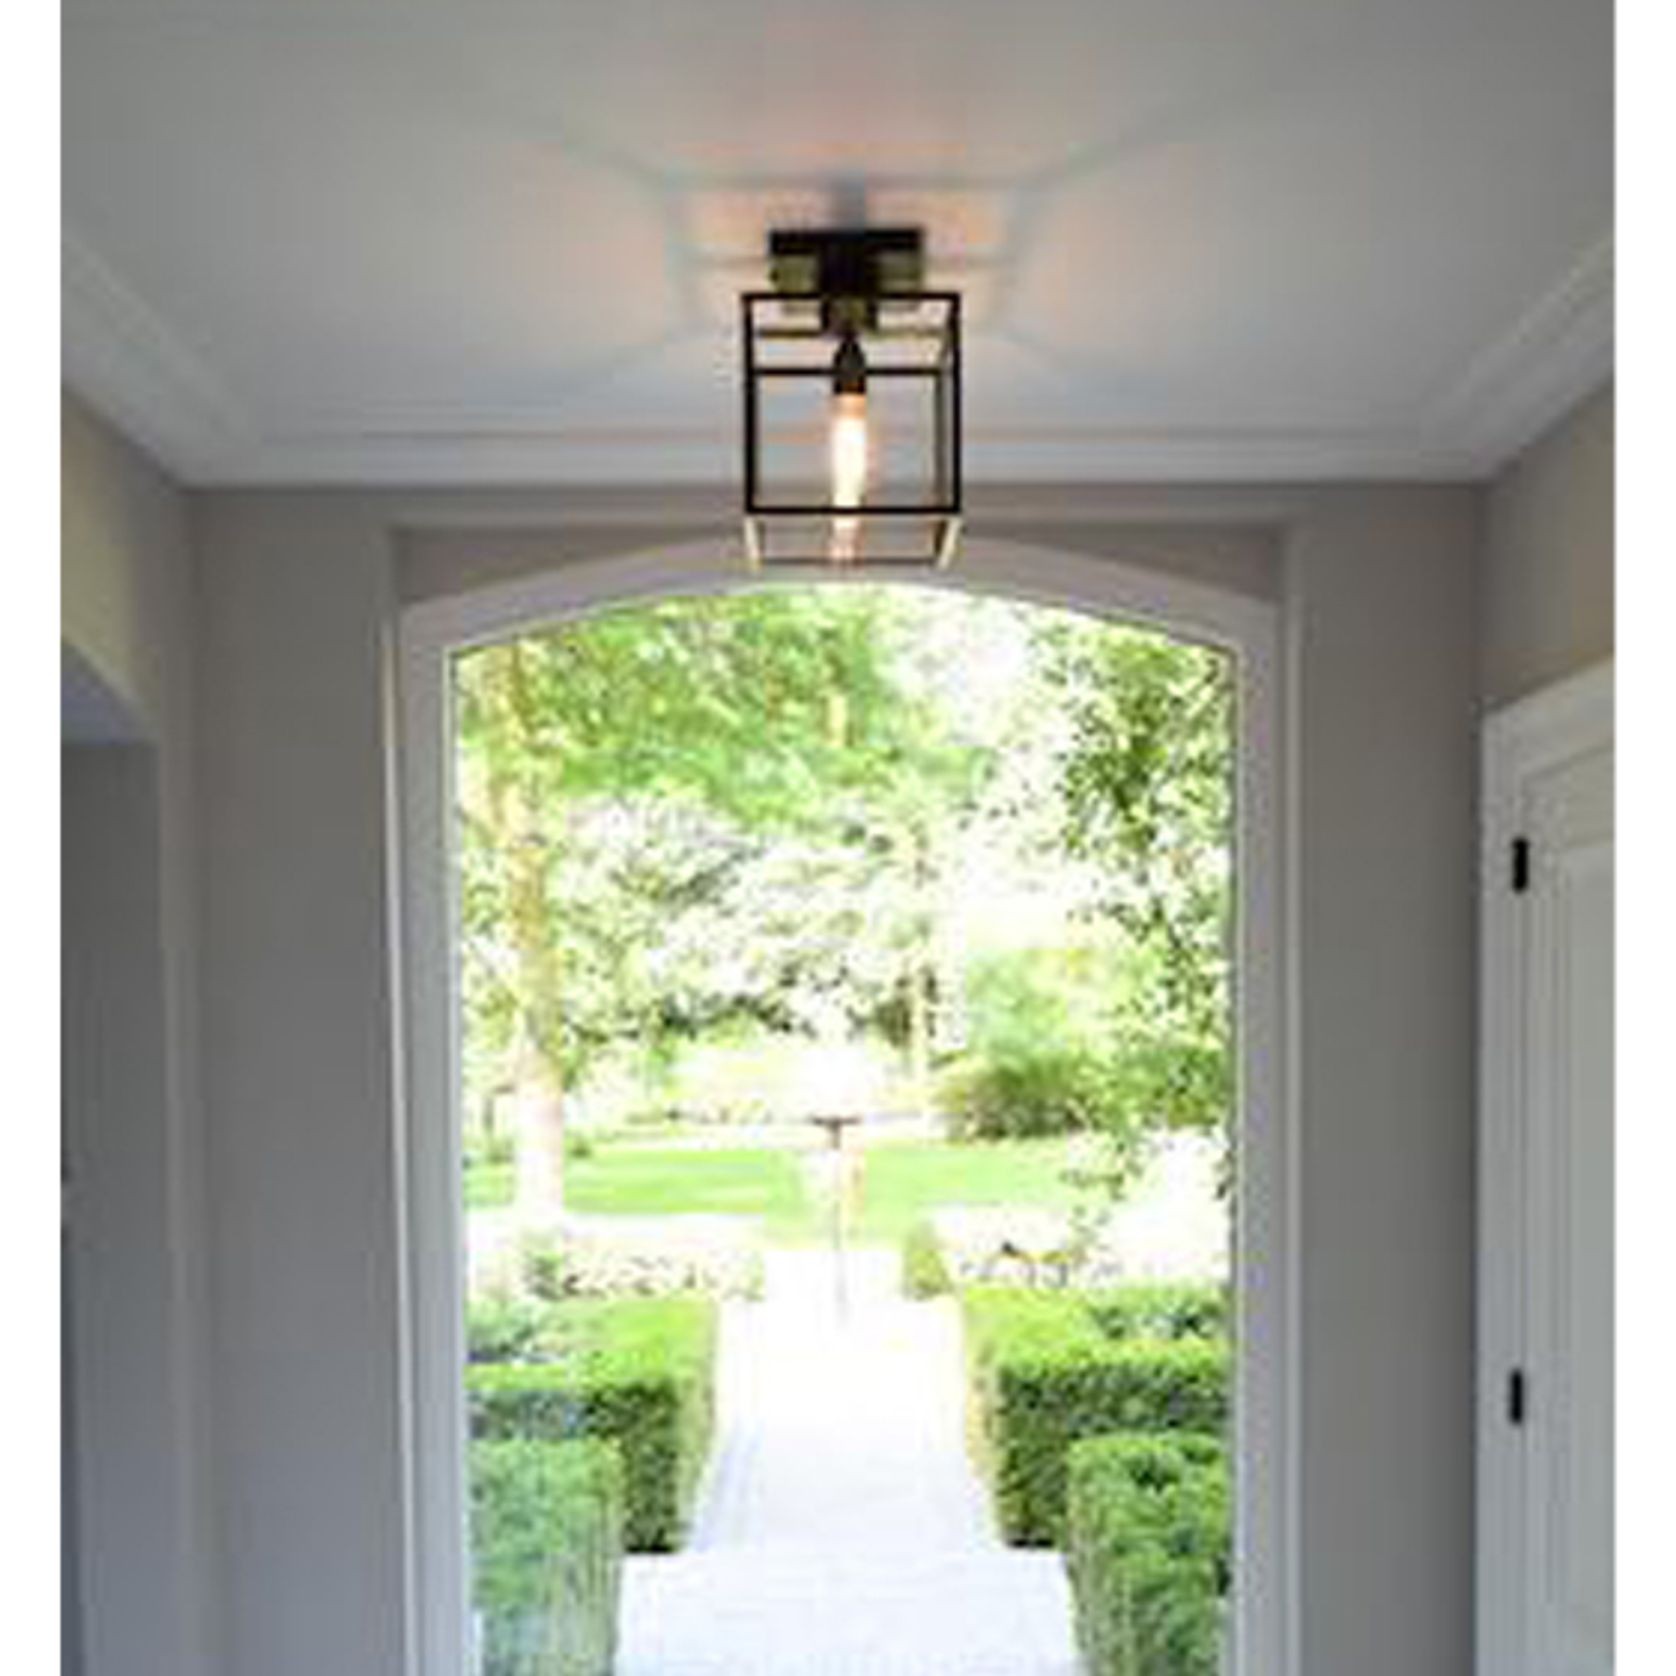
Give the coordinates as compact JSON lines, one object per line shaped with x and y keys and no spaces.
{"x":121,"y":357}
{"x":1217,"y":454}
{"x":1557,"y":352}
{"x":518,"y":458}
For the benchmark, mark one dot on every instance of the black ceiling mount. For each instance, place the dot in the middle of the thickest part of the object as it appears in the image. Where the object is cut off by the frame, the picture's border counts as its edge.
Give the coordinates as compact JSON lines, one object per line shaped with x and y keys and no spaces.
{"x":848,"y":270}
{"x":875,"y":481}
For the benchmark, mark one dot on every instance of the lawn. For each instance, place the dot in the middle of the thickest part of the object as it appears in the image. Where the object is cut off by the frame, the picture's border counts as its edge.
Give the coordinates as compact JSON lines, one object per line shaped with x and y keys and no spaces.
{"x":658,"y":1181}
{"x":900,"y":1182}
{"x":489,"y":1183}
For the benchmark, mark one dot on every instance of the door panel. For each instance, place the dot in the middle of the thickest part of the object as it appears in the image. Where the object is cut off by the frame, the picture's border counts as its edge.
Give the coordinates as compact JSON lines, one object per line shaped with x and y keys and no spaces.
{"x":1545,"y":1319}
{"x":1568,"y":1238}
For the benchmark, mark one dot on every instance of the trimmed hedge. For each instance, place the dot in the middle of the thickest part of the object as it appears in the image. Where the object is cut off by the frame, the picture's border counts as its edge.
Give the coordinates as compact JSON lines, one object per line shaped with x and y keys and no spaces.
{"x":1147,"y":1553}
{"x":1042,"y":1375}
{"x":505,"y":1327}
{"x":1163,"y":1309}
{"x":638,"y":1371}
{"x":547,"y":1551}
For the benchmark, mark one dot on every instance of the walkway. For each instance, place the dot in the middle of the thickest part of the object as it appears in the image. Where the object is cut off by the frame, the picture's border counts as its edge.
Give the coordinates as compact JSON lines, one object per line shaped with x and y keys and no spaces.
{"x":841,"y":1531}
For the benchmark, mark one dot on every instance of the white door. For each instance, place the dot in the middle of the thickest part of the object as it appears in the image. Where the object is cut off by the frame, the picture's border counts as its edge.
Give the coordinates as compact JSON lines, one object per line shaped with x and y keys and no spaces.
{"x":1547,"y":1326}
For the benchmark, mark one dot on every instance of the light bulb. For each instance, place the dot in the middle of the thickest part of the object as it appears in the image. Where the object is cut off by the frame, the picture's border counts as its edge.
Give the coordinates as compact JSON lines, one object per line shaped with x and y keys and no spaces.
{"x":849,"y":445}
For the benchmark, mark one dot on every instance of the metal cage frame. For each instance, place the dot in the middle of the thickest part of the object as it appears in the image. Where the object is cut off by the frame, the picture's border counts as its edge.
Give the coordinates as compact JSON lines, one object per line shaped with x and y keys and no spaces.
{"x":942,"y":514}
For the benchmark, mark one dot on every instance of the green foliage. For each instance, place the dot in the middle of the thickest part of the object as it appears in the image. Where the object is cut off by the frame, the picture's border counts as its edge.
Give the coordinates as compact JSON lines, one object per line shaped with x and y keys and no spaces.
{"x":672,"y":697}
{"x":1032,"y":1064}
{"x":1048,"y":1088}
{"x":503,"y":1327}
{"x":484,"y":1148}
{"x":1049,"y":1052}
{"x":1147,"y":1552}
{"x":637,"y":1371}
{"x":542,"y":1270}
{"x":1163,"y":1310}
{"x":621,"y":781}
{"x":1043,"y":1374}
{"x":1146,"y":789}
{"x":547,"y":1546}
{"x":489,"y":1186}
{"x":924,"y":1273}
{"x":758,"y":818}
{"x":488,"y":1163}
{"x":1016,"y":1321}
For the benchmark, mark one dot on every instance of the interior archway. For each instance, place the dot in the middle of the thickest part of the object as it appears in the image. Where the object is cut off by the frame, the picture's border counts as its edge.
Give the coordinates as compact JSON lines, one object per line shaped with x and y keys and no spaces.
{"x":1102,"y":587}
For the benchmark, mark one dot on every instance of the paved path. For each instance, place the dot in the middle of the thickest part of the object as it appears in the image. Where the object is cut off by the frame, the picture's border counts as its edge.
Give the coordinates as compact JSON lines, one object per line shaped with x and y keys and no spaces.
{"x":841,"y":1531}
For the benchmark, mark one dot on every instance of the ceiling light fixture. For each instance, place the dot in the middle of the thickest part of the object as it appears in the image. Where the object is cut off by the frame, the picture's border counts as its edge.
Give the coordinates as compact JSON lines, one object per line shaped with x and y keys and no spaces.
{"x":852,"y":404}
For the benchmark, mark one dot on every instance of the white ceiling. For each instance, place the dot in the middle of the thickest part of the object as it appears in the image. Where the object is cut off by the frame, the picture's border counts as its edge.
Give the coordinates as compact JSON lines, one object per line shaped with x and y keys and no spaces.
{"x":500,"y":240}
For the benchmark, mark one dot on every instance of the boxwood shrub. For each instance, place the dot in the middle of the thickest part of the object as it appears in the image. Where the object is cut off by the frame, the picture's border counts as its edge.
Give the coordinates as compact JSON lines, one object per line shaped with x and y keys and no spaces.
{"x":1163,"y":1309}
{"x":1042,"y":1374}
{"x":1147,"y":1553}
{"x":505,"y":1327}
{"x":638,"y":1371}
{"x":547,"y":1548}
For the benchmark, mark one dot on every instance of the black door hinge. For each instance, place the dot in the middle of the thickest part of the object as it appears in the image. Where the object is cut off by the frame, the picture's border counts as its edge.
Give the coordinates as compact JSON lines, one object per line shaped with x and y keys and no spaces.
{"x":1521,"y":866}
{"x":1516,"y":1397}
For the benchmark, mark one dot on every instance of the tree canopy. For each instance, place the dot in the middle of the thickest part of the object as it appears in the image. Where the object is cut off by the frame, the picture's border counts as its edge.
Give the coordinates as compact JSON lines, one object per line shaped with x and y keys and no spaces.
{"x":788,"y":808}
{"x":1146,"y":782}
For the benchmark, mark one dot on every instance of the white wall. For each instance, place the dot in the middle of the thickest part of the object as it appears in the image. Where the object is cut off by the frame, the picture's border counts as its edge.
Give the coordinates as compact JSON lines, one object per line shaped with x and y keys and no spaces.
{"x":1548,"y":558}
{"x":297,"y":593}
{"x":130,"y":1109}
{"x":295,"y":610}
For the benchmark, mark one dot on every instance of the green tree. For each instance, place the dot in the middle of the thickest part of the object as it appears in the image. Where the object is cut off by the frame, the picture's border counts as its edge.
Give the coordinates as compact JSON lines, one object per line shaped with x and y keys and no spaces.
{"x":617,"y":781}
{"x":762,"y":811}
{"x":1145,"y":765}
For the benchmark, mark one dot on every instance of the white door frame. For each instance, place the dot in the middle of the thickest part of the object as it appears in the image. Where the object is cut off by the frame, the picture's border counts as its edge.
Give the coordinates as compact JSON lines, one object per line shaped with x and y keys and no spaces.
{"x":1266,"y":1382}
{"x":1521,"y":741}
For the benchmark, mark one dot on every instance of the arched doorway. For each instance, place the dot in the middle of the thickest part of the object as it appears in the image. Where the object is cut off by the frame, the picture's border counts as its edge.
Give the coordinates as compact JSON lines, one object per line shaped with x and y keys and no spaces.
{"x":1245,"y":628}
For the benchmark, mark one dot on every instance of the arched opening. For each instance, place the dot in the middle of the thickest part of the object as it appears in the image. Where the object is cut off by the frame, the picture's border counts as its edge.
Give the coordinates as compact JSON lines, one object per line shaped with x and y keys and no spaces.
{"x":1239,"y":627}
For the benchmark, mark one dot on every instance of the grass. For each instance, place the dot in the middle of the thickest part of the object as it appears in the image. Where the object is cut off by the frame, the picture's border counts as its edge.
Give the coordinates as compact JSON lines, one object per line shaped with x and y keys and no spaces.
{"x":900,"y":1182}
{"x":489,"y":1185}
{"x":733,"y":1181}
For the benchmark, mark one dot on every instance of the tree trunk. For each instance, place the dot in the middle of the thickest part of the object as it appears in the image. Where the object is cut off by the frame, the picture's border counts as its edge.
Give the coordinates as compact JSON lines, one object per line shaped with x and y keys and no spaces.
{"x":539,"y":1099}
{"x":920,"y":1022}
{"x":538,"y":1123}
{"x":919,"y":1030}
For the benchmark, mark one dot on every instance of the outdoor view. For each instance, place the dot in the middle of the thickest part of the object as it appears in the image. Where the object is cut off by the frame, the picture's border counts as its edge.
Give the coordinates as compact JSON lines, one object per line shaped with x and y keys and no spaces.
{"x":847,"y":1089}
